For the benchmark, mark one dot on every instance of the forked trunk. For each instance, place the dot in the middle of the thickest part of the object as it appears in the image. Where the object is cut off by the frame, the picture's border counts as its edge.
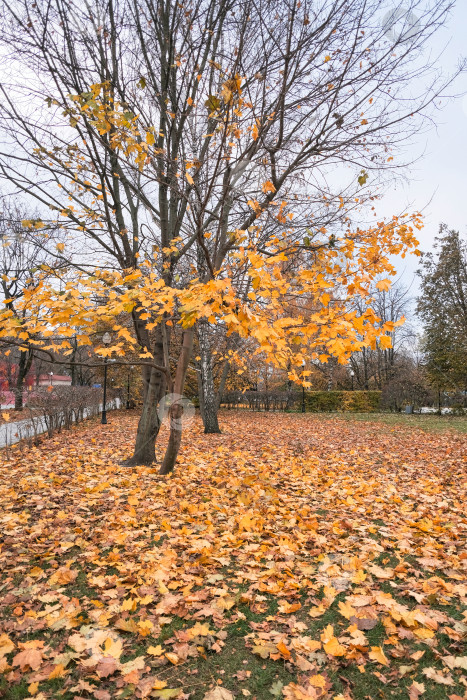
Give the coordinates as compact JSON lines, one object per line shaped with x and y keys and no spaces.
{"x":154,"y":386}
{"x":176,"y":410}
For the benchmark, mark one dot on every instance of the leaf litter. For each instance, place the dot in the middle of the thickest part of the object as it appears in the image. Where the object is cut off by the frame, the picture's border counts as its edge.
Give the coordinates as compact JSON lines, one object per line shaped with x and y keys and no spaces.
{"x":290,"y":557}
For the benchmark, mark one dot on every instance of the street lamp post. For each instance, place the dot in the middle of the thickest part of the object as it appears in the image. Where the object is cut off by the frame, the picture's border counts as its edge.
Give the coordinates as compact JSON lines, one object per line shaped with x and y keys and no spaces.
{"x":51,"y":374}
{"x":352,"y":375}
{"x":106,"y":340}
{"x":303,"y":391}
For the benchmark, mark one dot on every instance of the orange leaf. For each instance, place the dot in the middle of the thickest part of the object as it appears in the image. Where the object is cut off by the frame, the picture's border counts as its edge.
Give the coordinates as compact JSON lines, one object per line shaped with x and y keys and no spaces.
{"x":268,"y":187}
{"x":283,"y":649}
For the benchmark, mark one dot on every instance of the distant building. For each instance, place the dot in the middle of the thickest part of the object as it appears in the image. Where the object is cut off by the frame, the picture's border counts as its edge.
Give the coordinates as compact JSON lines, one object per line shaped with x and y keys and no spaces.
{"x":54,"y":380}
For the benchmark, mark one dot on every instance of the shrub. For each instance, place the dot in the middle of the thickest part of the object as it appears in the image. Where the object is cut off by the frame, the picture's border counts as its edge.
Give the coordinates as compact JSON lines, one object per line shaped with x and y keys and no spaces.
{"x":354,"y":401}
{"x":63,"y":406}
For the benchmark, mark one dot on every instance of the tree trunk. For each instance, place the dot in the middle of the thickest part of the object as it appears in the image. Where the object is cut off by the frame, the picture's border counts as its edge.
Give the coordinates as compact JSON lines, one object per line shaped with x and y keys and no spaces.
{"x":154,"y":386}
{"x":74,"y":344}
{"x":220,"y":391}
{"x":24,"y":365}
{"x":209,"y":400}
{"x":176,"y":410}
{"x":200,"y":392}
{"x":365,"y":370}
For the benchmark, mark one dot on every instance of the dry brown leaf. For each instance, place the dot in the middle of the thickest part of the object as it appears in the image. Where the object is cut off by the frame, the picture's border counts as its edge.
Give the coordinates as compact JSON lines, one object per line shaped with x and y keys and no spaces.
{"x":219,"y":693}
{"x":28,"y":659}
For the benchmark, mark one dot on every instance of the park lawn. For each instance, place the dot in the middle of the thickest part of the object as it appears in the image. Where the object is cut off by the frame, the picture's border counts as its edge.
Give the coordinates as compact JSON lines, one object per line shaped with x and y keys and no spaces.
{"x":289,"y":557}
{"x":431,"y":423}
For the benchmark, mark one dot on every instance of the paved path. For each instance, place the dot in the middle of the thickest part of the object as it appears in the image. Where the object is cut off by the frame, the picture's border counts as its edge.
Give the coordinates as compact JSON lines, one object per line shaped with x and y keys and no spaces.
{"x":10,"y":433}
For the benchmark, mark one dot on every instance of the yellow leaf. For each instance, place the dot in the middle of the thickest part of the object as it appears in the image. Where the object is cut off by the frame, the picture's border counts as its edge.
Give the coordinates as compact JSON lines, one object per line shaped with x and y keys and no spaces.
{"x":199,"y":630}
{"x":385,"y":341}
{"x":334,"y":648}
{"x":346,"y":610}
{"x":424,"y":633}
{"x":318,"y":681}
{"x":6,"y":645}
{"x":317,"y":611}
{"x":58,"y":672}
{"x":6,"y":416}
{"x":155,"y":651}
{"x":133,"y":665}
{"x":113,"y":648}
{"x":377,"y":654}
{"x":383,"y":285}
{"x":173,"y":658}
{"x":190,"y":179}
{"x":60,"y":247}
{"x":33,"y":688}
{"x":359,"y":576}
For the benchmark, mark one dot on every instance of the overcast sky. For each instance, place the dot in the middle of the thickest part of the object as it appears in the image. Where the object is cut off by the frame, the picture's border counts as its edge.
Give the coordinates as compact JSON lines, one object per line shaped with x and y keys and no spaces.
{"x":437,"y":182}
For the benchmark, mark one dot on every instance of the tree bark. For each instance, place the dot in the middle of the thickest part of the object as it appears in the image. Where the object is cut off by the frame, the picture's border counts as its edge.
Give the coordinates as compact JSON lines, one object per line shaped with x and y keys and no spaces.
{"x":24,"y":365}
{"x":73,"y":372}
{"x":200,"y":392}
{"x":209,"y":399}
{"x":220,"y":390}
{"x":154,"y":387}
{"x":176,"y":410}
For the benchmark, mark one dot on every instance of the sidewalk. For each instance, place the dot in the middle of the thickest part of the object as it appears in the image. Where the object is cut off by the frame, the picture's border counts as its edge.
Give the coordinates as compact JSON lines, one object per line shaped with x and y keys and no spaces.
{"x":11,"y":433}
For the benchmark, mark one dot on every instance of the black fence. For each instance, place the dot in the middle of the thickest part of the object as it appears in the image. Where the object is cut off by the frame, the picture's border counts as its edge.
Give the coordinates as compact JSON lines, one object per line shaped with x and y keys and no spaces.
{"x":262,"y":400}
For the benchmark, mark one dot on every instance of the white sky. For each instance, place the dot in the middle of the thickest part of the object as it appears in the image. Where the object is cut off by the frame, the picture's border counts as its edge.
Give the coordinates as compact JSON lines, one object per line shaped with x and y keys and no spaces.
{"x":437,"y":182}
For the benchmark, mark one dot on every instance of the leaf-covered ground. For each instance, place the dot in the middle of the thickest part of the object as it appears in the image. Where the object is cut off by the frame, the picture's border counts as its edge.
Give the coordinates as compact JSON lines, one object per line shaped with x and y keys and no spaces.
{"x":290,"y":557}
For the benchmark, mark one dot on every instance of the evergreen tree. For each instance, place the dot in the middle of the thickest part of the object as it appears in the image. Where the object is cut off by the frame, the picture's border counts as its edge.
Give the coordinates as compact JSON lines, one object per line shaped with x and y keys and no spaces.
{"x":442,"y":306}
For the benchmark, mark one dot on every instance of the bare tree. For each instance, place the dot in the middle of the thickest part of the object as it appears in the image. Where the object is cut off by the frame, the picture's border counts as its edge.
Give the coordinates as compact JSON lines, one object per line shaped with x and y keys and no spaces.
{"x":21,"y":255}
{"x":375,"y":367}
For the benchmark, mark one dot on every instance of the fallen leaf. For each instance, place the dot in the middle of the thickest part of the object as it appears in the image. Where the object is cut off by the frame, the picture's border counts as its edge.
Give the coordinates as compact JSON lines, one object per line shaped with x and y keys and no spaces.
{"x":106,"y":666}
{"x":364,"y":623}
{"x":334,"y":648}
{"x":377,"y":654}
{"x":415,"y":690}
{"x":437,"y":677}
{"x":28,"y":659}
{"x":219,"y":693}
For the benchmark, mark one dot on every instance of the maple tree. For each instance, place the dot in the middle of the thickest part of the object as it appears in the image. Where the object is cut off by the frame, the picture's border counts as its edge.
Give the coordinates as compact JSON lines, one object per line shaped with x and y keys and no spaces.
{"x":187,"y":143}
{"x":329,"y":328}
{"x":327,"y":563}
